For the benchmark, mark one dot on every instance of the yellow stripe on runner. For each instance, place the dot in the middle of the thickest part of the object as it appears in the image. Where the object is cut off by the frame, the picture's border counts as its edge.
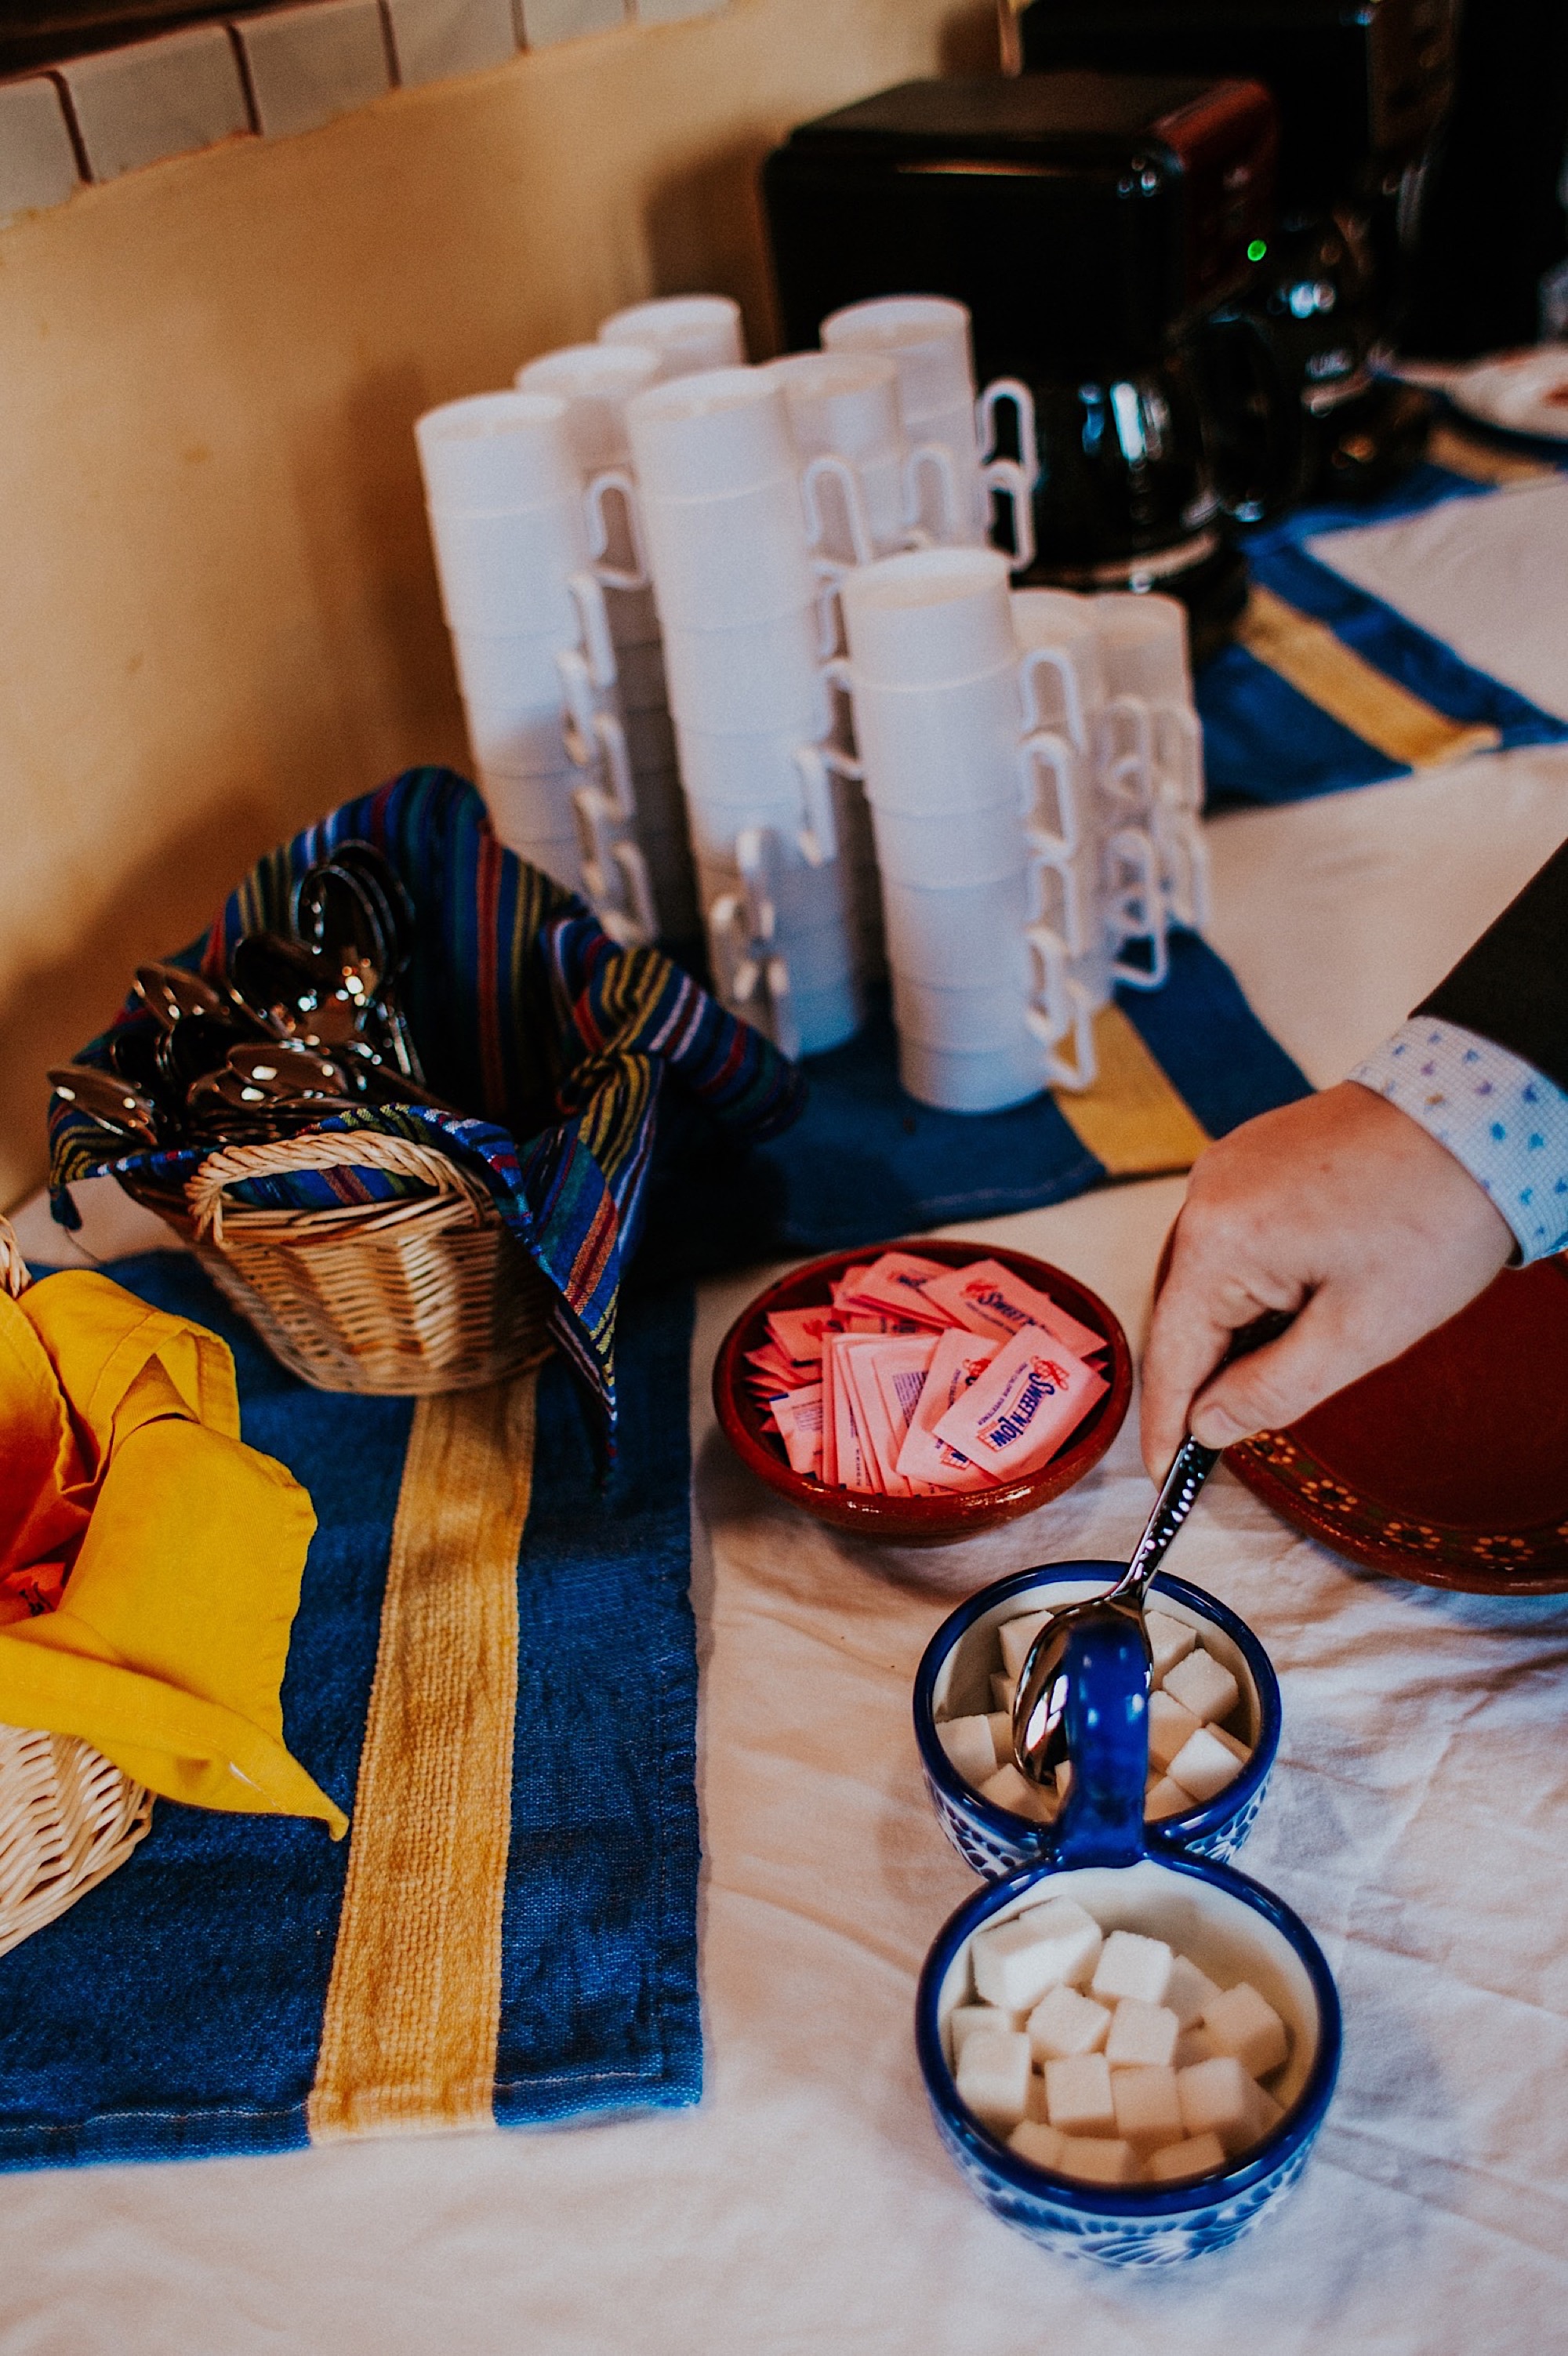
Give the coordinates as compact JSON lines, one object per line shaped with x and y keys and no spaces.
{"x":1361,"y":697}
{"x":413,"y":2014}
{"x":1132,"y":1118}
{"x":1478,"y":462}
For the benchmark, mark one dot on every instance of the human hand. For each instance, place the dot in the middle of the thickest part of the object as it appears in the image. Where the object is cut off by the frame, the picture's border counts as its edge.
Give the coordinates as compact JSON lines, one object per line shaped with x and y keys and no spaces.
{"x":1340,"y":1208}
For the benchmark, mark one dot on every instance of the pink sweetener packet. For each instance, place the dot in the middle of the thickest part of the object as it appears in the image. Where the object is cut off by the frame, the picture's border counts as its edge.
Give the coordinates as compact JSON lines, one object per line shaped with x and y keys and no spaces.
{"x":872,"y":1415}
{"x":900,"y":1370}
{"x":855,"y":1463}
{"x":844,"y":1287}
{"x":830,"y":1465}
{"x":897,"y":1283}
{"x":798,"y":1333}
{"x":987,"y":1298}
{"x":1024,"y":1405}
{"x":798,"y":1415}
{"x":957,"y":1360}
{"x":771,"y":1365}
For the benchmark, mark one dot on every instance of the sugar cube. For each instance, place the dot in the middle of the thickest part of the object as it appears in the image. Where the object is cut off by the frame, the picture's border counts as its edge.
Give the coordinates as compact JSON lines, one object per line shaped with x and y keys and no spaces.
{"x":1002,"y":1691}
{"x":1266,"y":2113}
{"x":1198,"y":2155}
{"x":1170,"y":1725}
{"x":993,"y":2075}
{"x":1009,"y":1789}
{"x":1205,"y":1764}
{"x":1141,"y":2032}
{"x":1189,"y":1991}
{"x":1078,"y":2095}
{"x":1148,"y":2109}
{"x":1098,"y":2159}
{"x":965,"y":2019}
{"x":969,"y":1746}
{"x":1017,"y":1962}
{"x":1040,"y":2145}
{"x":1193,"y":2045}
{"x":1204,"y":1686}
{"x":1170,"y":1640}
{"x":1165,"y":1797}
{"x":1000,"y":1721}
{"x":1243,"y":2023}
{"x":1065,"y":2022}
{"x":1131,"y":1964}
{"x":1216,"y":2099}
{"x":1016,"y":1637}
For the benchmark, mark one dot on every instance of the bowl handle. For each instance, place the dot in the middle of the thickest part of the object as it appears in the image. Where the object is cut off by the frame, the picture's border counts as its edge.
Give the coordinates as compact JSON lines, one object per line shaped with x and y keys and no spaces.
{"x":1107,"y":1665}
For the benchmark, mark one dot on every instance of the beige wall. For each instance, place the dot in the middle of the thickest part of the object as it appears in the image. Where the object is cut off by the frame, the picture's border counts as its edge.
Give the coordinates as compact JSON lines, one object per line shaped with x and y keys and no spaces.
{"x":219,"y":612}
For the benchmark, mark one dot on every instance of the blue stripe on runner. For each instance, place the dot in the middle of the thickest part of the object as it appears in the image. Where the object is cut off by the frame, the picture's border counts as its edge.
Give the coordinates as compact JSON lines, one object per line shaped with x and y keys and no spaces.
{"x":1419,"y":662}
{"x":1263,"y":740}
{"x":1211,"y":1046}
{"x":598,"y":1942}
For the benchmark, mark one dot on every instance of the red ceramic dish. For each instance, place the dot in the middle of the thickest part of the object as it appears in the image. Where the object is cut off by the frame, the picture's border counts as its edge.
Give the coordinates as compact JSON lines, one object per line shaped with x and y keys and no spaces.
{"x":1449,"y":1466}
{"x":753,"y":1437}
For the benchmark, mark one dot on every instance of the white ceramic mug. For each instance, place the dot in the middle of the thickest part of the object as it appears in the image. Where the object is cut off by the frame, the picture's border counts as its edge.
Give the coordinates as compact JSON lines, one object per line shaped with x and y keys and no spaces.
{"x":495,"y":451}
{"x":761,"y":677}
{"x":691,"y":333}
{"x":594,"y":382}
{"x":704,"y":436}
{"x":928,"y":618}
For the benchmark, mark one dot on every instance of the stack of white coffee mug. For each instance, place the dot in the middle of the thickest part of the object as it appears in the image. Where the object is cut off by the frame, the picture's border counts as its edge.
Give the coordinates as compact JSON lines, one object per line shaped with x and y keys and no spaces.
{"x":521,"y":551}
{"x":642,"y":804}
{"x":1013,"y":797}
{"x":729,"y":518}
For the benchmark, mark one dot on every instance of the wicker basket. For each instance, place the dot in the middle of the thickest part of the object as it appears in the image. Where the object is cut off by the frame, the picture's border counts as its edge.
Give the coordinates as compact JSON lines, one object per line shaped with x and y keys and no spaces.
{"x":401,"y":1299}
{"x":68,"y":1815}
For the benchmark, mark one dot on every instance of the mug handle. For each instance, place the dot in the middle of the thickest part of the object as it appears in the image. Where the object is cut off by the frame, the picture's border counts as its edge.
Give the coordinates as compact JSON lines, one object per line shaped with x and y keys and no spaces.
{"x":594,"y":627}
{"x":1058,"y":1010}
{"x":754,"y":854}
{"x":610,"y":738}
{"x":1138,"y":906}
{"x":1072,"y":932}
{"x":1043,"y":751}
{"x":1007,"y":477}
{"x":616,"y":479}
{"x":831,"y":469}
{"x":1056,"y":660}
{"x":936,"y":460}
{"x":1129,"y":774}
{"x":628,"y":916}
{"x":1179,"y":772}
{"x":1010,"y":388}
{"x":818,"y":835}
{"x":581,"y":730}
{"x":836,"y":673}
{"x":1184,"y":867}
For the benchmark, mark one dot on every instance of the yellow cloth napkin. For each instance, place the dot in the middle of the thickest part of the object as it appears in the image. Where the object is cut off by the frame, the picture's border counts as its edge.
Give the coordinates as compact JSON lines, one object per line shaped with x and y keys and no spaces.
{"x":122,"y":1471}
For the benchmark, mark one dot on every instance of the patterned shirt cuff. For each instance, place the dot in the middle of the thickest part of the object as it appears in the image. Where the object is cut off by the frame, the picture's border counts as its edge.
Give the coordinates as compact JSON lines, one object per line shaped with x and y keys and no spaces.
{"x":1496,"y":1115}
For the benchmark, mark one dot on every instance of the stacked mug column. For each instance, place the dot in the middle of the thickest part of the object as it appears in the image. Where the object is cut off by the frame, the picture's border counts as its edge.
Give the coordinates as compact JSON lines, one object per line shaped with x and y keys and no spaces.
{"x":742,"y":612}
{"x":971,"y":799}
{"x":512,"y":533}
{"x":645,"y":815}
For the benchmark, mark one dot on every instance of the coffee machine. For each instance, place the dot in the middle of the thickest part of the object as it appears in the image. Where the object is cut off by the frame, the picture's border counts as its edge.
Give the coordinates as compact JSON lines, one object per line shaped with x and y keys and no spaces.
{"x":1092,"y":223}
{"x":1360,"y":92}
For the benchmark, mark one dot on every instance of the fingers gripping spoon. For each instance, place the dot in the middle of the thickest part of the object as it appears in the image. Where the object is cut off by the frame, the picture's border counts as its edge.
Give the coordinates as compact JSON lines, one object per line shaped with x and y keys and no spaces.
{"x":1040,"y":1704}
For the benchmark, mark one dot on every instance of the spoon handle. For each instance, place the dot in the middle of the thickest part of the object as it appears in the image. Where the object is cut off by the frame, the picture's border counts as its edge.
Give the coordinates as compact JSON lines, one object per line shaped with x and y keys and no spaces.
{"x":1190,"y":1468}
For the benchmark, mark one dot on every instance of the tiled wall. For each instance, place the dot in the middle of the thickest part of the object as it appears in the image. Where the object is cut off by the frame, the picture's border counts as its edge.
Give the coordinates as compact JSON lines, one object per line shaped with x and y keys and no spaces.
{"x":266,"y":77}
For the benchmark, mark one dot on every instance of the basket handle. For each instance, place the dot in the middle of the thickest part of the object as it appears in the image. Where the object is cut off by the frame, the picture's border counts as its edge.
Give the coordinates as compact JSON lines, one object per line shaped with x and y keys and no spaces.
{"x":14,"y":1277}
{"x":365,"y":1148}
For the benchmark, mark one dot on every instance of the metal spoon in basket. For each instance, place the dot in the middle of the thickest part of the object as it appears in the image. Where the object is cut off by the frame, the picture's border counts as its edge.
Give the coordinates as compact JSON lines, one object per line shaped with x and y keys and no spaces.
{"x":1040,"y":1704}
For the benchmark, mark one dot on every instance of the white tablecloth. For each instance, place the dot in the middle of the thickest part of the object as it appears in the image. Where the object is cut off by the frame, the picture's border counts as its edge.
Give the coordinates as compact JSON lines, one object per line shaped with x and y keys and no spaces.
{"x":1418,"y":1818}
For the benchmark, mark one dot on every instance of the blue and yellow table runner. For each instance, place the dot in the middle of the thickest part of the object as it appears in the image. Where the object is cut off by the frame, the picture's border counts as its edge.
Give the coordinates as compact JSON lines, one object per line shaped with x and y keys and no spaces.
{"x":493,"y":1670}
{"x":1325,"y":687}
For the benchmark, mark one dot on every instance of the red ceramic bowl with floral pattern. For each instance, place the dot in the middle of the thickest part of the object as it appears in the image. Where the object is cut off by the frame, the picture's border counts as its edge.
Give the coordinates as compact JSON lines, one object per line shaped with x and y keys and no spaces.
{"x":915,"y":1520}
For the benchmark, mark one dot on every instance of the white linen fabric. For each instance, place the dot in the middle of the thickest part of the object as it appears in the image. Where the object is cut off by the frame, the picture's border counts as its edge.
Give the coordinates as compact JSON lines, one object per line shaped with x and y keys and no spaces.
{"x":1487,"y":576}
{"x":1418,"y":1818}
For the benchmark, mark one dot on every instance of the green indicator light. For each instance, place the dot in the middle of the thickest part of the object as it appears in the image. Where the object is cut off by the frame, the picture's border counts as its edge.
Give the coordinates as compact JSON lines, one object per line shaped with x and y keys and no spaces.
{"x":1257,"y":249}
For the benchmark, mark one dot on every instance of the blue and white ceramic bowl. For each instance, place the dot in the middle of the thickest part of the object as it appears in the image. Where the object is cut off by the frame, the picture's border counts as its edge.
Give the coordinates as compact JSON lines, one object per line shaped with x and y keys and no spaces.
{"x":1232,"y":1929}
{"x":953,"y":1678}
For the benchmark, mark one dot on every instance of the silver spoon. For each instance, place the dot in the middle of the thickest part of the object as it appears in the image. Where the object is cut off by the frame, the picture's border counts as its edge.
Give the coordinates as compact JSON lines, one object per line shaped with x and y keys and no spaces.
{"x":1039,"y":1705}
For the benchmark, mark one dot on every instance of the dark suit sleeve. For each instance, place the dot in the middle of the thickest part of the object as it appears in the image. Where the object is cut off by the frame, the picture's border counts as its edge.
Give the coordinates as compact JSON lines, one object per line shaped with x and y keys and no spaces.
{"x":1512,"y":987}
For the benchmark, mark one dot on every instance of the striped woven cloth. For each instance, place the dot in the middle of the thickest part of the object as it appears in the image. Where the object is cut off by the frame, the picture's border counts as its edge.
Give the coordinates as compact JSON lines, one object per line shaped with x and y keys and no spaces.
{"x":1327,"y":687}
{"x":554,"y":1042}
